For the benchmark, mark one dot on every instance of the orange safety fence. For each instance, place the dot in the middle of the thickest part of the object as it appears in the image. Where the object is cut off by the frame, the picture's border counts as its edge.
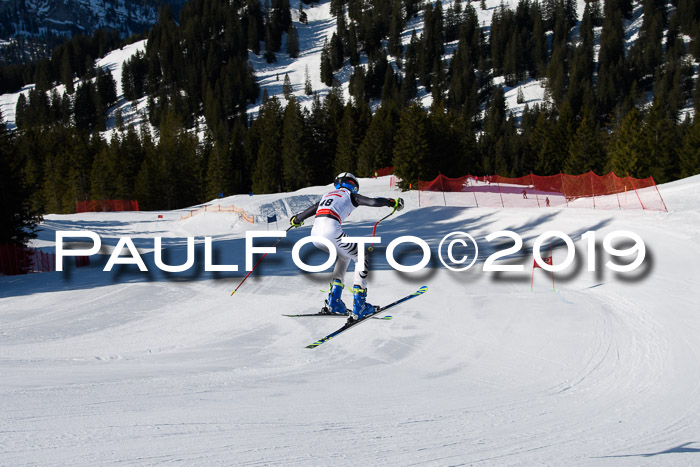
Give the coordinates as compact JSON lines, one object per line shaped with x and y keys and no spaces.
{"x":106,"y":205}
{"x":218,"y":208}
{"x":582,"y":191}
{"x":19,"y":259}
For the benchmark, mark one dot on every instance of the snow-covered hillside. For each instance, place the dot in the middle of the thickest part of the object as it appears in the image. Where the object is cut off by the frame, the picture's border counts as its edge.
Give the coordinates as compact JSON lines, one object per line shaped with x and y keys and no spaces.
{"x":47,"y":18}
{"x":135,"y":367}
{"x":321,"y":26}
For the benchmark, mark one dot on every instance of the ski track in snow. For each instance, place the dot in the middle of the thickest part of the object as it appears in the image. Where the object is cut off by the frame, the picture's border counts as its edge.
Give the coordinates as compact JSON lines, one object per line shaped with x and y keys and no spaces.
{"x":143,"y":368}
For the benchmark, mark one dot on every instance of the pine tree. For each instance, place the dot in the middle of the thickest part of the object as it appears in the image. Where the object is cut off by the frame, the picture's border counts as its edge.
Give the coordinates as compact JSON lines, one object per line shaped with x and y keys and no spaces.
{"x":84,"y":107}
{"x":106,"y":87}
{"x":308,"y":89}
{"x":411,"y":149}
{"x":611,"y":62}
{"x":180,"y":150}
{"x":104,"y":175}
{"x":446,"y":153}
{"x":348,"y":140}
{"x":219,"y":167}
{"x":539,"y":147}
{"x":293,"y":42}
{"x":336,"y":52}
{"x":494,"y":127}
{"x":303,"y":17}
{"x":326,"y":66}
{"x":376,"y":149}
{"x":689,"y":154}
{"x":17,"y":218}
{"x":394,"y":44}
{"x":295,"y":156}
{"x":67,"y":73}
{"x":270,"y":43}
{"x":268,"y":167}
{"x":561,"y":138}
{"x":21,"y":111}
{"x":510,"y":62}
{"x":538,"y":57}
{"x":390,"y":88}
{"x":352,"y":48}
{"x":152,"y":188}
{"x":105,"y":96}
{"x":287,"y":89}
{"x":131,"y":156}
{"x":625,"y":149}
{"x":659,"y":146}
{"x":254,"y":26}
{"x":586,"y":151}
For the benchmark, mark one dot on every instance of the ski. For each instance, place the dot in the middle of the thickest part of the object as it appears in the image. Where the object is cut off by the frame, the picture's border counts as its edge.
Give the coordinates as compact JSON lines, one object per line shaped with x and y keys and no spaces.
{"x":320,"y":314}
{"x":330,"y":315}
{"x":352,"y":323}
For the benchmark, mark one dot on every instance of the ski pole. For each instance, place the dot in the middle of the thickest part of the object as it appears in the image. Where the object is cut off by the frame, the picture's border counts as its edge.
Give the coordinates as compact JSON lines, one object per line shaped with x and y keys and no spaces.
{"x":374,"y":229}
{"x":256,"y":264}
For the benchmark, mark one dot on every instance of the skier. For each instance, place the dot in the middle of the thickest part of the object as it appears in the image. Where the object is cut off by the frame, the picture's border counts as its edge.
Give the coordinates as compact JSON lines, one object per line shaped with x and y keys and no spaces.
{"x":330,"y":212}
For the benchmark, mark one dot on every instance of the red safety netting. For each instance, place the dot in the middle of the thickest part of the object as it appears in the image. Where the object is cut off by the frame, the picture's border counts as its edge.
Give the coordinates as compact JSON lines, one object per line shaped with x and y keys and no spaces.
{"x":383,"y":172}
{"x":106,"y":205}
{"x":19,"y":259}
{"x":583,"y":191}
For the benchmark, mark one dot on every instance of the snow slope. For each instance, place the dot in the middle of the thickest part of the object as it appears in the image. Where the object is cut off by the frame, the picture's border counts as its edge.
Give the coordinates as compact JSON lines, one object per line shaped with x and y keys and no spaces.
{"x":146,"y":368}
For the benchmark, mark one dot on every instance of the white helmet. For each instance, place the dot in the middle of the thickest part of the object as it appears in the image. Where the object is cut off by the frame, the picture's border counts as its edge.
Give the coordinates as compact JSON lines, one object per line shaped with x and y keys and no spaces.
{"x":347,"y":180}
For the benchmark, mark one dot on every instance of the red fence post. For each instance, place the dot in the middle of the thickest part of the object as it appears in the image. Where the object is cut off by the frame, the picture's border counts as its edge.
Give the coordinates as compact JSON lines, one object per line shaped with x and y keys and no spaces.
{"x":473,"y":191}
{"x":657,"y":192}
{"x":563,"y":190}
{"x":532,"y":181}
{"x":442,"y":188}
{"x":635,"y":190}
{"x":497,"y":177}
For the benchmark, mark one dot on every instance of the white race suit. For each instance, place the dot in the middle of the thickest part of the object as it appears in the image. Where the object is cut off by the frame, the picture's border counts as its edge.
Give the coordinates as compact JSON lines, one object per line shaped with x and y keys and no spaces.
{"x":333,"y":208}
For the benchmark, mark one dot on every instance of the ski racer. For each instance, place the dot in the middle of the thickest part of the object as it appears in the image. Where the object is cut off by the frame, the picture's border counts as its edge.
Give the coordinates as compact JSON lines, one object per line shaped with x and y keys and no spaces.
{"x":330,"y":212}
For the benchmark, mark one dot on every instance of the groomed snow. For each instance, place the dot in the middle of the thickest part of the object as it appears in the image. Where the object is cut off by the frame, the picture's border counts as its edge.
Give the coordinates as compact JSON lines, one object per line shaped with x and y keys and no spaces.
{"x":146,"y":368}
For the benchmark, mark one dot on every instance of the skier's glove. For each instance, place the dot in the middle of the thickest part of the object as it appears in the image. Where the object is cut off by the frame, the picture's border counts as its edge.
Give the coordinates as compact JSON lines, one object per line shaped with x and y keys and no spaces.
{"x":295,"y":223}
{"x":398,"y":204}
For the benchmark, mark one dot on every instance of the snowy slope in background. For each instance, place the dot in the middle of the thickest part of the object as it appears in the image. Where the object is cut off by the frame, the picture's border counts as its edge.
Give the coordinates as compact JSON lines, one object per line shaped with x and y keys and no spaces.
{"x":41,"y":18}
{"x":152,"y":367}
{"x":321,"y":25}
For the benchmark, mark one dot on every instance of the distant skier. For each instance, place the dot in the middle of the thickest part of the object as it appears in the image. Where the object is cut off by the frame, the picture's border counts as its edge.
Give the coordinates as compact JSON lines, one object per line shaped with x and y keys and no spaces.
{"x":330,"y":212}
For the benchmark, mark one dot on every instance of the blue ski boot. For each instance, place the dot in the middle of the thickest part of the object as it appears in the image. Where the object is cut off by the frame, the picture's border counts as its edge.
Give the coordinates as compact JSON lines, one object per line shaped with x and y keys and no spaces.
{"x":360,"y":308}
{"x":334,"y":304}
